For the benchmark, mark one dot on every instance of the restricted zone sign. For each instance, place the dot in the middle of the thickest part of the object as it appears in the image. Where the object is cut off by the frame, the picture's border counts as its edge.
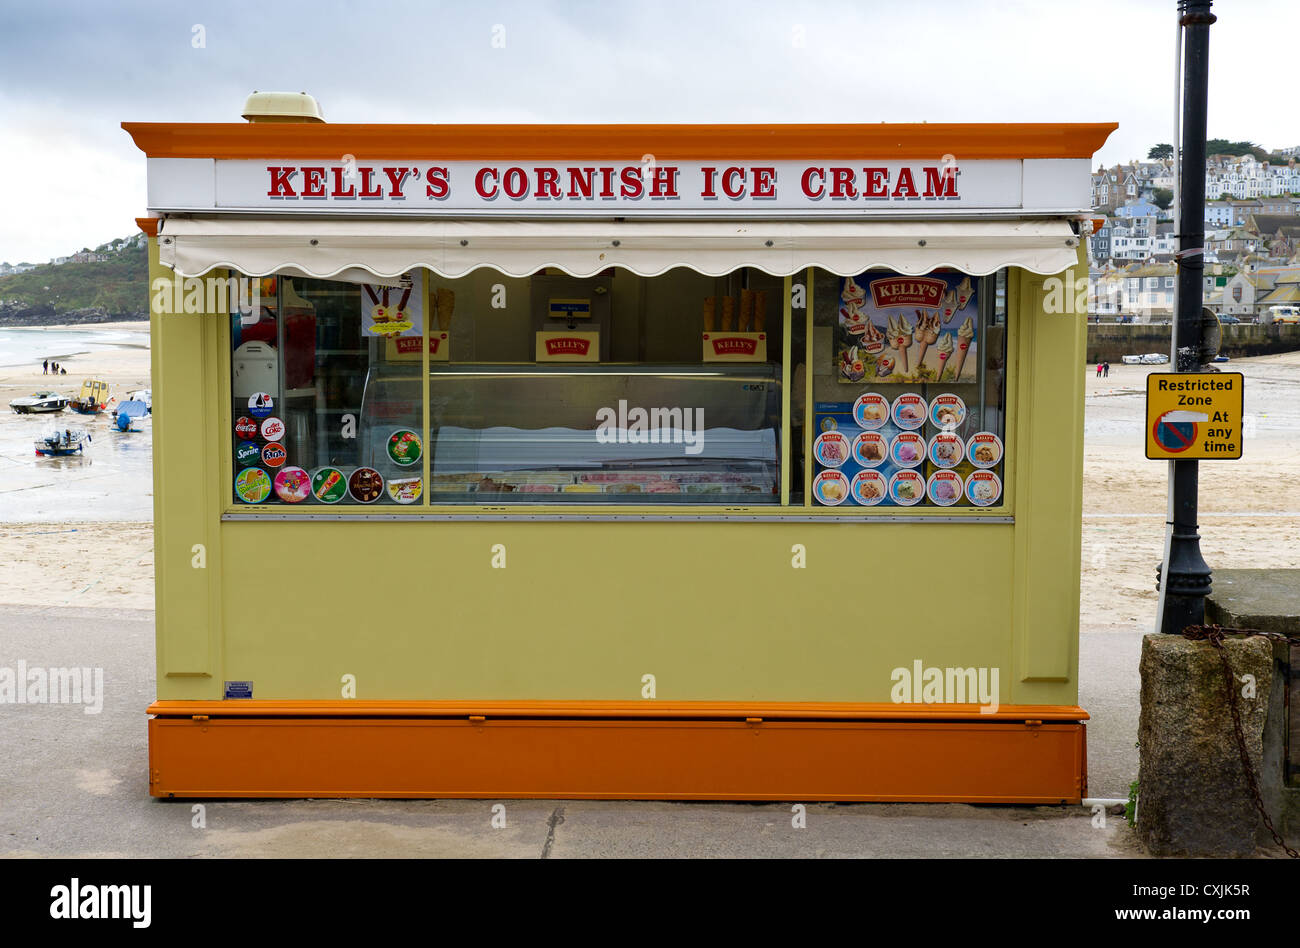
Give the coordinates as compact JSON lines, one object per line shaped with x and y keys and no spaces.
{"x":1194,"y":416}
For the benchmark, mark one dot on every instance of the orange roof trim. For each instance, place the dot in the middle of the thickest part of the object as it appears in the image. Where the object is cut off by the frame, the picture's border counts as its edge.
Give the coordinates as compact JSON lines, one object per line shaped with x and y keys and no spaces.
{"x":619,"y":142}
{"x":149,"y":225}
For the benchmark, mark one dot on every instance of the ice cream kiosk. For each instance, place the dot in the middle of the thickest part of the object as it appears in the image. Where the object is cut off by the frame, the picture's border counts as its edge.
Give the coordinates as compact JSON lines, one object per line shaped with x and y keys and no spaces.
{"x":625,"y":461}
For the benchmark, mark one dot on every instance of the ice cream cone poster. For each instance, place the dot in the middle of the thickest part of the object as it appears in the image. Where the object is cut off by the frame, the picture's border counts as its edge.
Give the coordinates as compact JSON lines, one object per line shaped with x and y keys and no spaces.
{"x":393,"y":311}
{"x":906,"y":329}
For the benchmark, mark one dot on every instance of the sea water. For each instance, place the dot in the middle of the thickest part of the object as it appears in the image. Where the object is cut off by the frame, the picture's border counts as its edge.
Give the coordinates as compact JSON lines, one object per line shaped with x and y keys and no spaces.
{"x":33,"y":345}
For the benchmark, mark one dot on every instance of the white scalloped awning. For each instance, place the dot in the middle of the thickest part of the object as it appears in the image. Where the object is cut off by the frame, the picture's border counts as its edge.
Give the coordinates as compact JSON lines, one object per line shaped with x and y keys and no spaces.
{"x":351,"y":249}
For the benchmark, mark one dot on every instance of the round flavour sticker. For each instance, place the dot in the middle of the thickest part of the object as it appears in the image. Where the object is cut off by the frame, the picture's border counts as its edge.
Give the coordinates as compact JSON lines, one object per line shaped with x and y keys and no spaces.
{"x":871,"y":411}
{"x":869,"y":488}
{"x":831,"y":449}
{"x":273,"y":429}
{"x":274,"y":455}
{"x":292,"y":485}
{"x":248,"y":453}
{"x":252,"y":485}
{"x":404,"y":447}
{"x":944,"y":488}
{"x":984,"y":449}
{"x":831,"y":488}
{"x":246,"y":428}
{"x":983,"y":488}
{"x":946,"y":449}
{"x":907,"y":449}
{"x":906,"y":488}
{"x":328,"y":485}
{"x":870,"y":449}
{"x":366,"y":485}
{"x":947,"y":411}
{"x":909,"y":412}
{"x":260,"y":404}
{"x":405,"y":490}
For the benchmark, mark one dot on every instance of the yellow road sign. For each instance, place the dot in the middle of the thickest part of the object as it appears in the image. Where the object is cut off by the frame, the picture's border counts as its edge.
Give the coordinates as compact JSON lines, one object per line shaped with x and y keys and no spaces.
{"x":1194,"y":416}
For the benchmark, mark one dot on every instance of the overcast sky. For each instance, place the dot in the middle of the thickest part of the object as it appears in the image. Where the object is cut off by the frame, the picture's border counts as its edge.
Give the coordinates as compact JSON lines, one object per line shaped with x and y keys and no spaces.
{"x":71,"y":73}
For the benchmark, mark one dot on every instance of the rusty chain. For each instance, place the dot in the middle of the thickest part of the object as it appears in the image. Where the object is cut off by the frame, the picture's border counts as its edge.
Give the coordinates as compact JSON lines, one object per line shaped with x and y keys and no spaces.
{"x":1214,"y":635}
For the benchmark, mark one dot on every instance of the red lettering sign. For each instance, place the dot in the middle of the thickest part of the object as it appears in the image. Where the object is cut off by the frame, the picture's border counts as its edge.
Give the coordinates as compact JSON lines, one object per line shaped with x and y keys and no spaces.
{"x":567,"y":345}
{"x":734,"y":345}
{"x":907,"y":291}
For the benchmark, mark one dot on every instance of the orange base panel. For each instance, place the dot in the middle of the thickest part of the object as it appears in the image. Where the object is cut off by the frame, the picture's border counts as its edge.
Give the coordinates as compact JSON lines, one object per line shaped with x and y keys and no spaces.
{"x":968,"y":761}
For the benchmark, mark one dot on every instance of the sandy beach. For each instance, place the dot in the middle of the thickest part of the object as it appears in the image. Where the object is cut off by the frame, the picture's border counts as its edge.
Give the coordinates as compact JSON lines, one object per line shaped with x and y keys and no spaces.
{"x":1250,"y":508}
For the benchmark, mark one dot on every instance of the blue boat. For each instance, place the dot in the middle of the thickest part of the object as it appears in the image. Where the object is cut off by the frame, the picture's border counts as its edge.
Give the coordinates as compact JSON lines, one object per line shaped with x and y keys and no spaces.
{"x":57,"y":444}
{"x":129,"y":414}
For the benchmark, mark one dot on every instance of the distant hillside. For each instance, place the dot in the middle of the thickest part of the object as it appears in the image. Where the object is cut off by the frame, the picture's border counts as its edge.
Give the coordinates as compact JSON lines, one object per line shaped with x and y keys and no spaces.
{"x":115,"y":289}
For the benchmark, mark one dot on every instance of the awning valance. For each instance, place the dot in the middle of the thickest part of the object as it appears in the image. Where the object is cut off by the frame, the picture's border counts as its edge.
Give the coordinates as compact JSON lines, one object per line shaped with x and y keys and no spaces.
{"x":347,"y":249}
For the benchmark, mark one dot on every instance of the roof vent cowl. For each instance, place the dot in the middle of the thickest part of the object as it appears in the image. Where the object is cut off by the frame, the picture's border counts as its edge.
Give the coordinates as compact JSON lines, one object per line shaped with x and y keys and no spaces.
{"x":282,"y":107}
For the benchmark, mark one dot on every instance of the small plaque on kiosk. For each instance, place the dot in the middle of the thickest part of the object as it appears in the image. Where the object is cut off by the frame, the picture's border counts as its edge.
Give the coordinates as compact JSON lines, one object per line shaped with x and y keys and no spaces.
{"x":735,"y":346}
{"x":568,"y":346}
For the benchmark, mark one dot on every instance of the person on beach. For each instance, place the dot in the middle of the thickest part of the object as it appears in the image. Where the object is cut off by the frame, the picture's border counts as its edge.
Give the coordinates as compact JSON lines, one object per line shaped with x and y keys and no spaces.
{"x":1098,"y":370}
{"x":62,"y":370}
{"x":1105,"y":370}
{"x":45,"y":367}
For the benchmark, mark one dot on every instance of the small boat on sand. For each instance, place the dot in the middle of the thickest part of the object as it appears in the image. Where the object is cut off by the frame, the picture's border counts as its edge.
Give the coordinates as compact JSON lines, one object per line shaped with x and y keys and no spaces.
{"x":62,"y":443}
{"x":39,"y":402}
{"x":128,"y":415}
{"x":92,"y":399}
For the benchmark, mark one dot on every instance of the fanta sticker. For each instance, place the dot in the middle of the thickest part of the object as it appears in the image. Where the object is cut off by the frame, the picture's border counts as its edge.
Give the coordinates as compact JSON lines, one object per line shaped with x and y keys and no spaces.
{"x":983,"y":488}
{"x":984,"y":449}
{"x":909,"y":412}
{"x":274,"y":455}
{"x":252,"y":485}
{"x":871,"y":411}
{"x":246,"y":428}
{"x":906,"y":488}
{"x":831,"y":449}
{"x":260,"y":404}
{"x":946,"y":449}
{"x":947,"y":412}
{"x":831,"y":488}
{"x":247,"y":453}
{"x":404,"y":447}
{"x":944,"y":488}
{"x":328,"y":485}
{"x":869,"y":488}
{"x":292,"y":485}
{"x":273,"y":429}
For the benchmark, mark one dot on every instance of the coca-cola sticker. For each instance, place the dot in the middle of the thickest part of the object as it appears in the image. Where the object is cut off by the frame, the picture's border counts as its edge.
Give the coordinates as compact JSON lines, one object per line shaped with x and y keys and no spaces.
{"x":246,"y":428}
{"x":273,"y":429}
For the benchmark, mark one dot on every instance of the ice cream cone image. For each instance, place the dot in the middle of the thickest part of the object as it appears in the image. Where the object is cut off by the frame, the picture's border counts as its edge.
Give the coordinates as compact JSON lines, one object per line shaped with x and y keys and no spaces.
{"x":927,"y":333}
{"x":965,"y":336}
{"x":902,"y":340}
{"x":945,"y":350}
{"x":873,"y":340}
{"x":852,"y":292}
{"x":710,"y":313}
{"x":728,"y":314}
{"x":760,"y":311}
{"x":964,"y":293}
{"x":949,"y":306}
{"x":445,"y":302}
{"x":746,"y":309}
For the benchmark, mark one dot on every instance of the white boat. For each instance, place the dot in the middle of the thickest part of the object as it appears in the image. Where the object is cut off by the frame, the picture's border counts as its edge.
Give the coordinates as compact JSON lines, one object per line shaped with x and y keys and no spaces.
{"x":39,"y":402}
{"x":60,"y":443}
{"x":144,"y":395}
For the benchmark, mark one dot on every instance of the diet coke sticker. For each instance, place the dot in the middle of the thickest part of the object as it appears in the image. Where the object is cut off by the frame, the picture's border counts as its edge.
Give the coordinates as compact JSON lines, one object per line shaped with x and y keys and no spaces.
{"x":947,"y":412}
{"x":907,"y":449}
{"x":870,"y":449}
{"x":830,"y":488}
{"x":248,"y":454}
{"x":869,"y":488}
{"x":946,"y":449}
{"x":909,"y":412}
{"x":831,"y":449}
{"x":983,"y":488}
{"x":273,"y":429}
{"x":984,"y":449}
{"x":871,"y":411}
{"x":273,"y":455}
{"x":944,"y":488}
{"x":906,"y":488}
{"x":260,"y":404}
{"x":246,"y":428}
